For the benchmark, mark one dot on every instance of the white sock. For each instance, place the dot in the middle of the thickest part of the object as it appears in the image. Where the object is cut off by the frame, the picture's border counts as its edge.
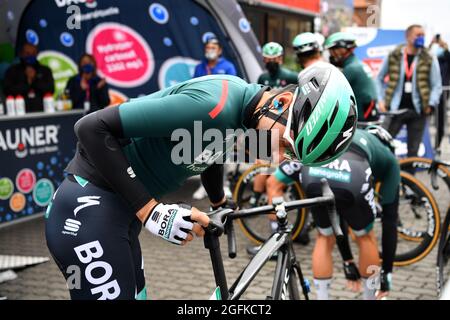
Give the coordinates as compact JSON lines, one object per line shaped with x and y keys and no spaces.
{"x":322,"y":286}
{"x":369,"y":288}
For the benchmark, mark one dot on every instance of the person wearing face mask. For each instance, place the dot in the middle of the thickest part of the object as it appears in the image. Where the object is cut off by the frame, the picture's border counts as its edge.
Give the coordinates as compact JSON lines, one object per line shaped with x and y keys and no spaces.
{"x":29,"y":79}
{"x":214,"y":63}
{"x":341,"y":46}
{"x":414,"y":84}
{"x":87,"y":88}
{"x":276,"y":76}
{"x":440,"y":49}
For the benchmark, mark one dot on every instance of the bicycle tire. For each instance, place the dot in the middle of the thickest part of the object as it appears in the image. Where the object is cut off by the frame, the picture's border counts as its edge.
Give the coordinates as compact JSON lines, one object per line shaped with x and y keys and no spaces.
{"x":443,"y":176}
{"x":238,"y":191}
{"x":442,"y":256}
{"x":430,"y":238}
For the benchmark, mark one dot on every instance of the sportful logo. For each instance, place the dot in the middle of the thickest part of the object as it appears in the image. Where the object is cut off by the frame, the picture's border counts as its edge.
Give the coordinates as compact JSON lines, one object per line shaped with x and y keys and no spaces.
{"x":131,"y":173}
{"x":72,"y":226}
{"x":155,"y":216}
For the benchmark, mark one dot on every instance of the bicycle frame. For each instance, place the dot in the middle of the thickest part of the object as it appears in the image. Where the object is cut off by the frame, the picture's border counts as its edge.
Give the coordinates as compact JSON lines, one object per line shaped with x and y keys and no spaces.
{"x":280,"y":242}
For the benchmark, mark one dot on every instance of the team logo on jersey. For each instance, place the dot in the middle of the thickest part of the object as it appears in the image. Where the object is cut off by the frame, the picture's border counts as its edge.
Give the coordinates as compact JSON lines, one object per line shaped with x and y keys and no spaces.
{"x":131,"y":173}
{"x":71,"y":227}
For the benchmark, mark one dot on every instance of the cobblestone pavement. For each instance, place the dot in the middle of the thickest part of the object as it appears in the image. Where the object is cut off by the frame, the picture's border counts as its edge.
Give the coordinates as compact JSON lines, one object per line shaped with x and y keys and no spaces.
{"x":189,"y":267}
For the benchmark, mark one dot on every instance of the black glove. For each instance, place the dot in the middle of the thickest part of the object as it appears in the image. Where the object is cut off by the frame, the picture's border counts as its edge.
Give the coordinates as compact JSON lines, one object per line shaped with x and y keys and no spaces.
{"x":351,"y":271}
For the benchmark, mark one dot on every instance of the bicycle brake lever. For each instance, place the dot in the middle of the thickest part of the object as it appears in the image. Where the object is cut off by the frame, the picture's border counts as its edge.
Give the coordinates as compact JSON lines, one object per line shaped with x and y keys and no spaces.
{"x":217,"y":221}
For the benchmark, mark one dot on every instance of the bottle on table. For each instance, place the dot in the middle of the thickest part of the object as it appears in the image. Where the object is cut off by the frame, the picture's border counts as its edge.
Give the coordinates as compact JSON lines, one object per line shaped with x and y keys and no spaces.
{"x":20,"y":105}
{"x":67,"y":100}
{"x":2,"y":108}
{"x":49,"y":103}
{"x":10,"y":106}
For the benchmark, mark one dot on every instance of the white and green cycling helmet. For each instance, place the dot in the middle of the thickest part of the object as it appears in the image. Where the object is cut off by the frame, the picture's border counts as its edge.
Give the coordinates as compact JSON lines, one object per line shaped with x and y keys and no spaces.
{"x":340,"y":40}
{"x":322,"y":116}
{"x":306,"y":42}
{"x":272,"y":50}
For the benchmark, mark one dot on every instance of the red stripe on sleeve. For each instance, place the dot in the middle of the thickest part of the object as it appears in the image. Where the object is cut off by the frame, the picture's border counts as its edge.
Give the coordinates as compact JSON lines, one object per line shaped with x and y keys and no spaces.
{"x":223,"y":100}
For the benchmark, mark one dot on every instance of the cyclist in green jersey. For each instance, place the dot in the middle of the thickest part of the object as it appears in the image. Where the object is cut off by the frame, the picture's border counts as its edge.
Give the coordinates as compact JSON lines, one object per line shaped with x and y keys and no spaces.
{"x":276,"y":76}
{"x":341,"y":46}
{"x":127,"y":159}
{"x":369,"y":157}
{"x":308,"y":52}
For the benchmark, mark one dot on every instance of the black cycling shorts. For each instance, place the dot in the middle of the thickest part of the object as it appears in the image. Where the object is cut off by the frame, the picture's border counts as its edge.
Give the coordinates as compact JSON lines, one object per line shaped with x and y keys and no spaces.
{"x":350,"y":179}
{"x":93,"y":238}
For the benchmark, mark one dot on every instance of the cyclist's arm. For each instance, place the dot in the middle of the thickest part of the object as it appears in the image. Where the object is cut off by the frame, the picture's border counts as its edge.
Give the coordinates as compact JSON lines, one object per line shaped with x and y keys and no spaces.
{"x":288,"y":172}
{"x":212,"y":180}
{"x":389,"y":193}
{"x":99,"y":135}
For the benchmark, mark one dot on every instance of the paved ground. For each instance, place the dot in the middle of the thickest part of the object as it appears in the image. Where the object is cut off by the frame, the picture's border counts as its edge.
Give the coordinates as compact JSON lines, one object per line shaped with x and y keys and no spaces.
{"x":45,"y":281}
{"x":190,"y":267}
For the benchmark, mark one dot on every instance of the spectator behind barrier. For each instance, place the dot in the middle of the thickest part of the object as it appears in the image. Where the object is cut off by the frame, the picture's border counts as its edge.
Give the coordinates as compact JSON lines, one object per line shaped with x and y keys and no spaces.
{"x":440,"y":49}
{"x":29,"y":79}
{"x":414,"y":84}
{"x":214,"y":63}
{"x":86,"y":89}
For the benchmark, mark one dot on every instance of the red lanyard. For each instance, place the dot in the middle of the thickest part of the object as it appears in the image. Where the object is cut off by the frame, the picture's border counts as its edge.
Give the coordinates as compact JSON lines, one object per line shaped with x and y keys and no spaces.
{"x":409,"y":69}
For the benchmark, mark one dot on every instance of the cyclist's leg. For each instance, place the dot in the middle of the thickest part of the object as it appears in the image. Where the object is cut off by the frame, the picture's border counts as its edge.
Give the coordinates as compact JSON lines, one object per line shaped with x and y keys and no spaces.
{"x":322,"y":264}
{"x":138,"y":259}
{"x":322,"y":256}
{"x":87,"y":231}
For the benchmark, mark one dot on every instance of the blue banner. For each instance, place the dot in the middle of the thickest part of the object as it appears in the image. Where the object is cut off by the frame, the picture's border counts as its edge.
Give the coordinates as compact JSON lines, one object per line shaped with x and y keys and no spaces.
{"x":140,"y":46}
{"x":35,"y":150}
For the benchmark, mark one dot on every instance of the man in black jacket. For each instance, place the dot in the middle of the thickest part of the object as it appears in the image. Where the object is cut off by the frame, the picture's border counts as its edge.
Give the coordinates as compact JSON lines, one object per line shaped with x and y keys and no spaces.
{"x":29,"y":79}
{"x":441,"y":50}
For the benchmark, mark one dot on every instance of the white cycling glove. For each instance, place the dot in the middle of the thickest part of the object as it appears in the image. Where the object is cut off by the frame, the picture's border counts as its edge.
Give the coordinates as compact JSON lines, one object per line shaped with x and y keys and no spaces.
{"x":170,"y":221}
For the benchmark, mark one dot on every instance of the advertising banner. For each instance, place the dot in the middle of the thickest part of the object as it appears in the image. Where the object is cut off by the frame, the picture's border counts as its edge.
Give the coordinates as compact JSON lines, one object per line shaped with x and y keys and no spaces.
{"x":34,"y":153}
{"x":140,"y":46}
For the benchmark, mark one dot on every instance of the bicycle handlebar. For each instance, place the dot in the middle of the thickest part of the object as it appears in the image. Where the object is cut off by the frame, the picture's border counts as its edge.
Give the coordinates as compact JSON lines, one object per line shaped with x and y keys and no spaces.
{"x":222,"y":220}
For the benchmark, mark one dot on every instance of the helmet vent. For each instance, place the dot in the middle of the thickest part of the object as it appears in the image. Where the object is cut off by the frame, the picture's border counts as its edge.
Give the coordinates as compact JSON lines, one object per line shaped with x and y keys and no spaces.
{"x":335,"y":112}
{"x":300,"y":148}
{"x":315,"y":83}
{"x":318,"y":138}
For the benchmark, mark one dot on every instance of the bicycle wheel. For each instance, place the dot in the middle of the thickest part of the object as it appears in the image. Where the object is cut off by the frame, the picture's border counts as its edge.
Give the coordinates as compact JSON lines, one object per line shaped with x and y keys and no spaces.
{"x":418,"y":223}
{"x":443,"y":255}
{"x":257,"y":229}
{"x":420,"y":167}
